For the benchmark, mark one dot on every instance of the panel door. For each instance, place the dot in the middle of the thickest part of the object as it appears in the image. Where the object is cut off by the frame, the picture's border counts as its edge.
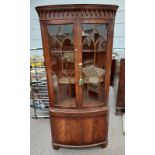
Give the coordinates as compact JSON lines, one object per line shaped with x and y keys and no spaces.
{"x":66,"y":131}
{"x":94,"y":129}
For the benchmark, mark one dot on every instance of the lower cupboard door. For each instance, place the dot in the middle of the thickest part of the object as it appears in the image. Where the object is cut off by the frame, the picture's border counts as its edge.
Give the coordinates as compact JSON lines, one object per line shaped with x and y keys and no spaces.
{"x":66,"y":131}
{"x":94,"y":129}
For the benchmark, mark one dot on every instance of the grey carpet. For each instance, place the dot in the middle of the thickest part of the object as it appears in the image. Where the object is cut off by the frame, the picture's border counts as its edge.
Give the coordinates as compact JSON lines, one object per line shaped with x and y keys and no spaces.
{"x":40,"y":143}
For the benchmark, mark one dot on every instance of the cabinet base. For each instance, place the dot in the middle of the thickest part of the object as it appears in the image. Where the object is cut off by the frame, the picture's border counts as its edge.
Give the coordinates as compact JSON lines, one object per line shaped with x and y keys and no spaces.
{"x":58,"y":146}
{"x":79,"y":128}
{"x":55,"y":147}
{"x":104,"y":145}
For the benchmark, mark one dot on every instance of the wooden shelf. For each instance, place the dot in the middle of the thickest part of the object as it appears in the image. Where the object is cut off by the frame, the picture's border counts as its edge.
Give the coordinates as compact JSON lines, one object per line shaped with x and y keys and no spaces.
{"x":88,"y":61}
{"x":67,"y":103}
{"x":62,"y":51}
{"x":84,"y":51}
{"x":91,"y":51}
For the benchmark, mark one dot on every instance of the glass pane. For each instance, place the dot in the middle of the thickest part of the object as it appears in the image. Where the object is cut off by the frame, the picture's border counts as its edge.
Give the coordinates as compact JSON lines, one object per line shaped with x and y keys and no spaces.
{"x":62,"y":58}
{"x":88,"y":44}
{"x":94,"y":41}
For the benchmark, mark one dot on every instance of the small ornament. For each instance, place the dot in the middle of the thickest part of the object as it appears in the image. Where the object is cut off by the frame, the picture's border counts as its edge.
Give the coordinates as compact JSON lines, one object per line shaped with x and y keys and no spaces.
{"x":81,"y":82}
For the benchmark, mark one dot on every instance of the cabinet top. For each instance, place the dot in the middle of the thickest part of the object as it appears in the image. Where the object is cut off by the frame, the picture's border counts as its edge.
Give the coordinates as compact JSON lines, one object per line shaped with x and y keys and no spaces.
{"x":76,"y":6}
{"x":77,"y":10}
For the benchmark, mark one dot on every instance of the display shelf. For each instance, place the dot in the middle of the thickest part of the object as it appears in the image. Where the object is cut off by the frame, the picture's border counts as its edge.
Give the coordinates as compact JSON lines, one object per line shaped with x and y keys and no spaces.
{"x":91,"y":51}
{"x":63,"y":51}
{"x":79,"y":101}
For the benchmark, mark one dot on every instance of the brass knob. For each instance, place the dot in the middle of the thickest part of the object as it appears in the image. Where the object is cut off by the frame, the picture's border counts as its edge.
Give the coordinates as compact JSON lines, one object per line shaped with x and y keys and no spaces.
{"x":81,"y":82}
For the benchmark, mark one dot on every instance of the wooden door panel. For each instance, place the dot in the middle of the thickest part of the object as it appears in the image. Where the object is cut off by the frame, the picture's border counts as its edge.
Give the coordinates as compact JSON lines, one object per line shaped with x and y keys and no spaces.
{"x":94,"y":129}
{"x":66,"y":130}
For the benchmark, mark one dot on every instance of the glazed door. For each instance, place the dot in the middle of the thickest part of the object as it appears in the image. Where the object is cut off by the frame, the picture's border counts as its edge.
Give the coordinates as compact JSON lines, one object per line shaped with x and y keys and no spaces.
{"x":93,"y":66}
{"x":78,"y":59}
{"x":61,"y":41}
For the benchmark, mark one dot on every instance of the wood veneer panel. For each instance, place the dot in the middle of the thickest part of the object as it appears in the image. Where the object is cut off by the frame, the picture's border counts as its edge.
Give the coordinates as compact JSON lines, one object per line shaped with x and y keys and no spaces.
{"x":66,"y":130}
{"x":94,"y":129}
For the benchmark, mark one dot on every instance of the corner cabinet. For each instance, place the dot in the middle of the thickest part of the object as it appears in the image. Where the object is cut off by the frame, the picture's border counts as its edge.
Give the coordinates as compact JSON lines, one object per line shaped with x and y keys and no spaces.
{"x":77,"y":42}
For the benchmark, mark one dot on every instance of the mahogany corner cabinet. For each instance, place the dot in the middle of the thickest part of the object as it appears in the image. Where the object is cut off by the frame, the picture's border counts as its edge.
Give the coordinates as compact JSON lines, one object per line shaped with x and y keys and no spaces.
{"x":77,"y":43}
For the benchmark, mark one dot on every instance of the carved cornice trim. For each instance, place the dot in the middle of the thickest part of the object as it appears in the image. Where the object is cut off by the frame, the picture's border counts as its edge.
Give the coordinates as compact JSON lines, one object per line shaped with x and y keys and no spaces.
{"x":76,"y":11}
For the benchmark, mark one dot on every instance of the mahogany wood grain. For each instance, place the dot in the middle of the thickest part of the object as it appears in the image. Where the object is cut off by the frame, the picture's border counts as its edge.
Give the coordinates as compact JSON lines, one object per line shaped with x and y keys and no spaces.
{"x":94,"y":129}
{"x":78,"y":125}
{"x":66,"y":131}
{"x":120,"y":100}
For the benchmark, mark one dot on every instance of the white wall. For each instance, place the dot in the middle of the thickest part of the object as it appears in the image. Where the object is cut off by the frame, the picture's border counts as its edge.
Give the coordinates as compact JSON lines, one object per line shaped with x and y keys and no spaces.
{"x":119,"y":33}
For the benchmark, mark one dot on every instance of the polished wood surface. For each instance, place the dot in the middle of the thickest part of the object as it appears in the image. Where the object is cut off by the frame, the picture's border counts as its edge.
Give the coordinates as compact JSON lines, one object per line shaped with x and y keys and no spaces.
{"x":79,"y":129}
{"x":78,"y":102}
{"x":94,"y":129}
{"x":119,"y":85}
{"x":120,"y":103}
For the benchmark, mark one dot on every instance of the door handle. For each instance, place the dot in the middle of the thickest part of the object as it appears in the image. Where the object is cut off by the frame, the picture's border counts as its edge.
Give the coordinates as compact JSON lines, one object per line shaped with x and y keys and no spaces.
{"x":81,"y":82}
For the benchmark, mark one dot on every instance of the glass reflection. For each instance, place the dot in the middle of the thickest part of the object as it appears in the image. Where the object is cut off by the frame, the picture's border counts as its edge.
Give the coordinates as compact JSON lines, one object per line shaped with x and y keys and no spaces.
{"x":94,"y":41}
{"x":62,"y":59}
